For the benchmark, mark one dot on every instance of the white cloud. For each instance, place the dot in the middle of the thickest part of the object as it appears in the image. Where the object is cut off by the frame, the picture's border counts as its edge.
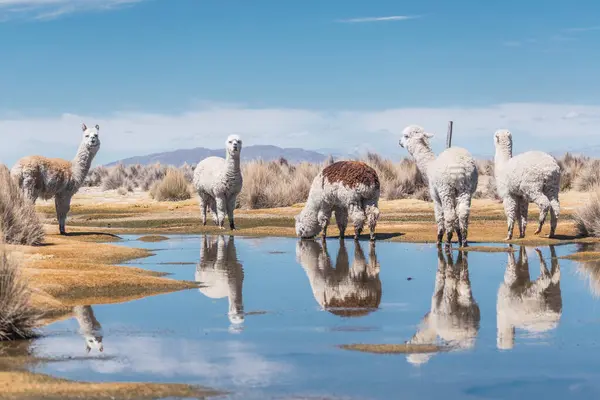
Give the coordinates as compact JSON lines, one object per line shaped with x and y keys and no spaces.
{"x":50,"y":9}
{"x":379,"y":19}
{"x":125,"y":134}
{"x":218,"y":364}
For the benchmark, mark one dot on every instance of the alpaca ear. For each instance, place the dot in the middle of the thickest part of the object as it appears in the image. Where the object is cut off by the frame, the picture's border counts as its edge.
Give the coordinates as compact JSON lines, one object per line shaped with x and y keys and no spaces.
{"x":83,"y":127}
{"x":97,"y":127}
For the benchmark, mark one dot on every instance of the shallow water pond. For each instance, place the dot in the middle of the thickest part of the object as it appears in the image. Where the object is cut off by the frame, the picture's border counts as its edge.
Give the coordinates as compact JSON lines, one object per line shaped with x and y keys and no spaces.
{"x":272,"y":313}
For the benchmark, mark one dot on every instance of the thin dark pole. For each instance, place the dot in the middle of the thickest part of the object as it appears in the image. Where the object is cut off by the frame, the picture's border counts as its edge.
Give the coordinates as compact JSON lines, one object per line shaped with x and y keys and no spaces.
{"x":449,"y":135}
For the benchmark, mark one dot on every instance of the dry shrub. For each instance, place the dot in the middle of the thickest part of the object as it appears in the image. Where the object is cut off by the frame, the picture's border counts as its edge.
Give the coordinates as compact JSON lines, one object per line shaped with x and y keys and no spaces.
{"x":18,"y":220}
{"x":173,"y":187}
{"x":485,"y":167}
{"x":588,"y":177}
{"x":276,"y":183}
{"x":398,"y":180}
{"x":18,"y":318}
{"x":115,"y":178}
{"x":571,"y":166}
{"x":95,"y":176}
{"x":587,"y":217}
{"x":188,"y":171}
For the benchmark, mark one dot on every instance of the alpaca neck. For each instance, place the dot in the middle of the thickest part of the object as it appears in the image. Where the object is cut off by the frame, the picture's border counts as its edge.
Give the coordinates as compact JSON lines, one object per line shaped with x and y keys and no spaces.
{"x":82,"y":163}
{"x":233,"y":165}
{"x":423,"y":156}
{"x":236,"y":279}
{"x":503,"y":154}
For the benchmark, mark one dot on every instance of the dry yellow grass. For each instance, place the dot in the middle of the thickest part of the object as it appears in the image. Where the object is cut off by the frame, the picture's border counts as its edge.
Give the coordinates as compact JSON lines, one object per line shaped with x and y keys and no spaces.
{"x":404,"y":348}
{"x":20,"y":385}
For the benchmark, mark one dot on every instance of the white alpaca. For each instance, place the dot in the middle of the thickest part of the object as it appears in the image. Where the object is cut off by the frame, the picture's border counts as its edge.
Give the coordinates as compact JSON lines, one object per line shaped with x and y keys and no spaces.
{"x":348,"y":188}
{"x":344,"y":291}
{"x":89,"y":327}
{"x":452,"y":178}
{"x":53,"y":177}
{"x":218,"y":182}
{"x":533,"y":306}
{"x":221,"y":274}
{"x":533,"y":176}
{"x":454,"y":314}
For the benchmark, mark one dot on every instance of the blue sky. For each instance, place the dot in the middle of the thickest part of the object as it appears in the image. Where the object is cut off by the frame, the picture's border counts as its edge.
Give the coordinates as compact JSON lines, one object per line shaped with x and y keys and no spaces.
{"x":345,"y":74}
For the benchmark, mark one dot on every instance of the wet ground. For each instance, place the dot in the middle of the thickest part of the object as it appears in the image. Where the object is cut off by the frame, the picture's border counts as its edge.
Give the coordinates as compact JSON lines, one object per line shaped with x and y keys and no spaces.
{"x":273,"y":312}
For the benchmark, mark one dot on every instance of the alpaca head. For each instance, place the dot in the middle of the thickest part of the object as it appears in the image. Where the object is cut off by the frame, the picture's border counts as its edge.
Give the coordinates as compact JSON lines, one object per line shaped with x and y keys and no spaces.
{"x":503,"y":139}
{"x":233,"y":146}
{"x":93,"y":341}
{"x":413,"y":136}
{"x":307,"y":224}
{"x":91,"y":137}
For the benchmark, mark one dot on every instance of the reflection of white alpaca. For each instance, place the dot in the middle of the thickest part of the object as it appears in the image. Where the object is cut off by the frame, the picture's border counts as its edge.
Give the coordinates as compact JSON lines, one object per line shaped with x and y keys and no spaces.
{"x":89,"y":327}
{"x":454,"y":315}
{"x":221,"y":274}
{"x":344,"y":291}
{"x":534,"y":306}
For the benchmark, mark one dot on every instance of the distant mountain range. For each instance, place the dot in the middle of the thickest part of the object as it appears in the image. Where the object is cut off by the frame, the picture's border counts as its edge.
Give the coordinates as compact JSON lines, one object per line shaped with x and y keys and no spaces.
{"x":193,"y":156}
{"x":293,"y":155}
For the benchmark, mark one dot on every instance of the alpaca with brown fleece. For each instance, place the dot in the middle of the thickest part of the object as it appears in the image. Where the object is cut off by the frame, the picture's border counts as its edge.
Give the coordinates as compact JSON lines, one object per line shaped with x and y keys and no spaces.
{"x":44,"y":177}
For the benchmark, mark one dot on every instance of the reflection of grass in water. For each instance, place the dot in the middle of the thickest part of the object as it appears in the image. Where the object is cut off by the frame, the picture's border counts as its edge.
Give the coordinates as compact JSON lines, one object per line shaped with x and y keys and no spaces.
{"x":394,"y":348}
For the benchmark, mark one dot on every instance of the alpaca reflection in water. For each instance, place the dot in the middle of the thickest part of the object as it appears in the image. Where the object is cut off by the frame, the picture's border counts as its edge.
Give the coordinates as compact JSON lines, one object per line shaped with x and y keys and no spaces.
{"x":454,"y":314}
{"x":89,"y":327}
{"x":222,"y":275}
{"x":345,"y":291}
{"x":533,"y":306}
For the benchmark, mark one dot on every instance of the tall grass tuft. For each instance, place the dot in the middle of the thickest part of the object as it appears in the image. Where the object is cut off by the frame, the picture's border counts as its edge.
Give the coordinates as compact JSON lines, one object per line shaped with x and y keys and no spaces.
{"x":398,"y":180}
{"x":173,"y":187}
{"x":587,"y":217}
{"x":18,"y":318}
{"x":275,"y":183}
{"x":18,"y":221}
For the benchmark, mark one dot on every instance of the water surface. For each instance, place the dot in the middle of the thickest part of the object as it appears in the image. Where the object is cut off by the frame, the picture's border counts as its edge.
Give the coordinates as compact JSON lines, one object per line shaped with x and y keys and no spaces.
{"x":272,"y":312}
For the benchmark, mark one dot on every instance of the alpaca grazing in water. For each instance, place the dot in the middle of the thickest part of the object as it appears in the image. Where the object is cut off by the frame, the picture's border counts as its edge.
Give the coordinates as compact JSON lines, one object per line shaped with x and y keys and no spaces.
{"x":45,"y":177}
{"x":347,"y":188}
{"x":454,"y":316}
{"x":347,"y":291}
{"x":89,"y":327}
{"x":222,"y":275}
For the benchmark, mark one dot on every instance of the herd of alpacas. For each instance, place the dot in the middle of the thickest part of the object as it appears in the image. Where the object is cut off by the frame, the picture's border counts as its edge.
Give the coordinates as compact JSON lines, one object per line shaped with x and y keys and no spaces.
{"x":350,"y":189}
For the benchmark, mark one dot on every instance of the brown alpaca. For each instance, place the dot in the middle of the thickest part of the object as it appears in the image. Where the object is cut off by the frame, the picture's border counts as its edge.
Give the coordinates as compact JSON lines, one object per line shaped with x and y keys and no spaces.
{"x":45,"y":177}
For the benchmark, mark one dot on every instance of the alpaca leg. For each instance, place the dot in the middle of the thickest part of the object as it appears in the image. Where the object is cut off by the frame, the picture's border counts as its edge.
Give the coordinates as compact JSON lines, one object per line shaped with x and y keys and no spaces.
{"x":439,"y":216}
{"x":523,"y":212}
{"x":212,"y":206}
{"x":510,"y":209}
{"x":358,"y":216}
{"x":203,"y":206}
{"x":463,"y":208}
{"x":554,"y":213}
{"x":341,"y":218}
{"x":62,"y":204}
{"x":448,"y":206}
{"x":324,"y":216}
{"x":230,"y":207}
{"x":221,"y":204}
{"x":372,"y":212}
{"x":544,"y":204}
